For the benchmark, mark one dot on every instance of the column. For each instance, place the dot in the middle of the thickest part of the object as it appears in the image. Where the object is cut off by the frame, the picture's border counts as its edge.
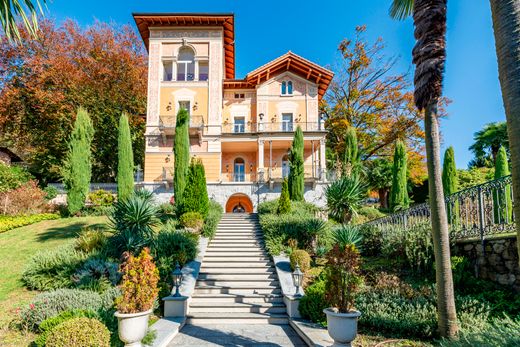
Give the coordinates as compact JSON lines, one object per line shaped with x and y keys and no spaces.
{"x":261,"y":160}
{"x":323,"y":163}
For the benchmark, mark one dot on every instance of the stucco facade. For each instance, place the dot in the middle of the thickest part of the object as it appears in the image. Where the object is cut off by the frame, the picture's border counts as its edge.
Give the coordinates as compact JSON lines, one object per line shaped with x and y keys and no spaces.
{"x":240,"y":128}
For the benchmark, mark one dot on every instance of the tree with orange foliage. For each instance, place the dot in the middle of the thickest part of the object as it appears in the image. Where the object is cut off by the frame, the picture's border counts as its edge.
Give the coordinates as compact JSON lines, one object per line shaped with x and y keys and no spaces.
{"x":366,"y":95}
{"x":43,"y":81}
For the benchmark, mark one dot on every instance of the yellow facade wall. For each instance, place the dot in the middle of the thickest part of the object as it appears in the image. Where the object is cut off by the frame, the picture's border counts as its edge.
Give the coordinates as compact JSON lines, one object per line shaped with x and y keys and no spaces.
{"x":169,"y":101}
{"x":211,"y":163}
{"x":155,"y":165}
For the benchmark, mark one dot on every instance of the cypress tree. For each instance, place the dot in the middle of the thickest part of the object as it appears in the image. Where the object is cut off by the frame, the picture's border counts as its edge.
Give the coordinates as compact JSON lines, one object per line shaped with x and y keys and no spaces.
{"x":351,"y":156}
{"x":450,"y":182}
{"x":296,"y":182}
{"x":125,"y":156}
{"x":502,"y":199}
{"x":77,"y":168}
{"x":195,"y":196}
{"x":399,"y":191}
{"x":181,"y":152}
{"x":284,"y":203}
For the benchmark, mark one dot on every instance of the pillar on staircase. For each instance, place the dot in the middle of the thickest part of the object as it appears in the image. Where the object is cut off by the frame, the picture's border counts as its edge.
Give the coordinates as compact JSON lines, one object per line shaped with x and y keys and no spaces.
{"x":175,"y":306}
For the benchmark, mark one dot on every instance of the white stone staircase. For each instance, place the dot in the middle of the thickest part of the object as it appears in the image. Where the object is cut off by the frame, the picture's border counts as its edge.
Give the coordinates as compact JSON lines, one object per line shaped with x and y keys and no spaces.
{"x":237,"y":282}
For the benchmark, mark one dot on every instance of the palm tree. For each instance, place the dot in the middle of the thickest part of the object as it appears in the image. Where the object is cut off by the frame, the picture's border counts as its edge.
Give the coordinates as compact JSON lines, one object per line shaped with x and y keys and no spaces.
{"x":429,"y":57}
{"x":488,"y":141}
{"x":506,"y":21}
{"x":26,"y":10}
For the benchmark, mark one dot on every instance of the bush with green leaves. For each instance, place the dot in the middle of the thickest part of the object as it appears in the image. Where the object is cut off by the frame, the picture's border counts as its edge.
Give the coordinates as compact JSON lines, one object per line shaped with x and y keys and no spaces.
{"x":125,"y":160}
{"x":51,"y":192}
{"x":90,"y":240}
{"x":211,"y":222}
{"x":53,"y":269}
{"x":12,"y":222}
{"x":97,"y":275}
{"x":50,"y":304}
{"x":312,"y":304}
{"x":50,"y":324}
{"x":101,"y":197}
{"x":344,"y":198}
{"x":195,"y":195}
{"x":133,"y":221}
{"x":174,"y":246}
{"x":372,"y":242}
{"x":79,"y":332}
{"x":284,"y":203}
{"x":192,"y":221}
{"x":12,"y":177}
{"x":399,"y":190}
{"x":366,"y":214}
{"x":301,"y":258}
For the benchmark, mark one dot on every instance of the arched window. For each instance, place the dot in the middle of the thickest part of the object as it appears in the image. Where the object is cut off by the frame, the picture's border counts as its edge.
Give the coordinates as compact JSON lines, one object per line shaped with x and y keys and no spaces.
{"x":186,"y":64}
{"x":284,"y":88}
{"x":289,"y":87}
{"x":239,"y":170}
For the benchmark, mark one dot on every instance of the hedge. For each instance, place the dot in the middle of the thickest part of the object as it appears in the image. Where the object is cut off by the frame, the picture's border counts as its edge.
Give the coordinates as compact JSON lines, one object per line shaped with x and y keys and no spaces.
{"x":11,"y":222}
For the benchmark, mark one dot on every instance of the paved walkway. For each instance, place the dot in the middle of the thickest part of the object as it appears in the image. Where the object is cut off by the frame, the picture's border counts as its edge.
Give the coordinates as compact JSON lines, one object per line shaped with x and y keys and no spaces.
{"x":258,"y":335}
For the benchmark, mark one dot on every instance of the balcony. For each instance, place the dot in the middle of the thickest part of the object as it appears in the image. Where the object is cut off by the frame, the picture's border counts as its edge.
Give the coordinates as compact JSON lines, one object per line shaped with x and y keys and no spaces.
{"x":274,"y":174}
{"x":270,"y":127}
{"x":168,"y":122}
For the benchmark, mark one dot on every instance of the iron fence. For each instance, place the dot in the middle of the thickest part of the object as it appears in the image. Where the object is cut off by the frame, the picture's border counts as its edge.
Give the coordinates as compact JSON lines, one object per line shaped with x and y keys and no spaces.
{"x":479,"y":211}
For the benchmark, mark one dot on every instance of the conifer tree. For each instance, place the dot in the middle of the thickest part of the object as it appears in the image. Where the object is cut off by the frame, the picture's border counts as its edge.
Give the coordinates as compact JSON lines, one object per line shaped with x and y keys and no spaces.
{"x":296,"y":182}
{"x":77,"y":168}
{"x":195,"y":197}
{"x":125,"y":156}
{"x":450,"y":183}
{"x":284,"y":203}
{"x":502,"y":199}
{"x":399,"y":191}
{"x":351,"y":156}
{"x":181,"y":152}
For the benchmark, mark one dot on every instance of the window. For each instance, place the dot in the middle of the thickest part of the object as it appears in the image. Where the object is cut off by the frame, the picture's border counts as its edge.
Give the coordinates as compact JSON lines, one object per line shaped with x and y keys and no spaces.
{"x":203,"y":70}
{"x":167,"y":70}
{"x":185,"y":105}
{"x":239,"y":170}
{"x":287,"y":88}
{"x":186,"y":64}
{"x":240,"y":96}
{"x":287,"y":122}
{"x":239,"y":125}
{"x":284,"y":88}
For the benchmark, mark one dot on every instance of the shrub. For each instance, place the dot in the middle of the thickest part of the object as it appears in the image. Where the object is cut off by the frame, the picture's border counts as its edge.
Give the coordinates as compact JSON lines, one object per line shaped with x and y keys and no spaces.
{"x":344,"y":198}
{"x":284,"y":203}
{"x":366,"y":214}
{"x":79,"y":332}
{"x":302,"y":258}
{"x":52,"y":269}
{"x":50,"y":192}
{"x":12,"y":177}
{"x":345,"y":235}
{"x":90,"y":240}
{"x":195,"y":195}
{"x":314,"y":302}
{"x":296,"y":183}
{"x":166,"y":209}
{"x":418,"y":245}
{"x":181,"y":153}
{"x":342,"y":277}
{"x":372,"y":240}
{"x":125,"y":157}
{"x":97,"y":274}
{"x":173,"y":247}
{"x":139,"y":286}
{"x":97,"y":211}
{"x":101,"y":197}
{"x":133,"y":220}
{"x":50,"y":304}
{"x":27,"y":199}
{"x":11,"y":222}
{"x":211,"y":223}
{"x":399,"y":190}
{"x":192,"y":221}
{"x":49,"y":324}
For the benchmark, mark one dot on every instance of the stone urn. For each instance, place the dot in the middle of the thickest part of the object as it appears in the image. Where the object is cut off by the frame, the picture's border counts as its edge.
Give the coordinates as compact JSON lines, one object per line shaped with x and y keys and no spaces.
{"x":132,"y":327}
{"x":342,"y":327}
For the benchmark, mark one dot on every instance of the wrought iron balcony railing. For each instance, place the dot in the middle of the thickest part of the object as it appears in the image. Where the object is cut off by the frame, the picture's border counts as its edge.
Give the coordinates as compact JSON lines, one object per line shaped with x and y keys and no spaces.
{"x":196,"y":121}
{"x":269,"y":127}
{"x":479,"y":211}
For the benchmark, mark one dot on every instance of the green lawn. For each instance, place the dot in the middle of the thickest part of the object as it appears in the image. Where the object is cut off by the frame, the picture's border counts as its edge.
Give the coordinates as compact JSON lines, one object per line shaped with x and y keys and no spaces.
{"x":17,"y":246}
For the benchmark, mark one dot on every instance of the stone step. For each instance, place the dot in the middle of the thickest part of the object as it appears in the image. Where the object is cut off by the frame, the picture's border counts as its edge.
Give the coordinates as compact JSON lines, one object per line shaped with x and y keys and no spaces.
{"x":232,"y":239}
{"x":238,"y":270}
{"x":232,"y":283}
{"x":241,"y":242}
{"x":234,"y":247}
{"x":214,"y":276}
{"x":236,"y":254}
{"x":237,"y":290}
{"x":243,"y":258}
{"x":218,"y":306}
{"x":246,"y":299}
{"x":236,"y":318}
{"x":236,"y":263}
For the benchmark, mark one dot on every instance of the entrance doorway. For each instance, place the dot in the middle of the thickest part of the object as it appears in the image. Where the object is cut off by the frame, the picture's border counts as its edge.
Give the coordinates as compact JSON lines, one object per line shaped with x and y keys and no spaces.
{"x":239,"y":203}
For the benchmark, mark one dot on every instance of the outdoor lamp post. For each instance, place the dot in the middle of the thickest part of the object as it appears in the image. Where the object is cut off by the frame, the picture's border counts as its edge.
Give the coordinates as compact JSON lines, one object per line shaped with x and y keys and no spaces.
{"x":297,"y":277}
{"x":177,"y":279}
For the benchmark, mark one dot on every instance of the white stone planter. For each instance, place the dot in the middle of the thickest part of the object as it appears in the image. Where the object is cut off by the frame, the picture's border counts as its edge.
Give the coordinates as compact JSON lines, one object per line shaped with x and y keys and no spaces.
{"x":342,"y":327}
{"x":132,"y":327}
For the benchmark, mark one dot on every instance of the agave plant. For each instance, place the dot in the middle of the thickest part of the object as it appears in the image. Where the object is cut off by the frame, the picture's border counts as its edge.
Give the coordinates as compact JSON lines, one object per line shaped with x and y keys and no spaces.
{"x":347,"y":235}
{"x":344,"y":198}
{"x":133,"y":220}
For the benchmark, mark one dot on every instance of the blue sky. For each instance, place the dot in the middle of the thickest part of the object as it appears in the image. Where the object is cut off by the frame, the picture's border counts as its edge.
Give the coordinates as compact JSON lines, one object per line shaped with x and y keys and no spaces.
{"x":266,"y":29}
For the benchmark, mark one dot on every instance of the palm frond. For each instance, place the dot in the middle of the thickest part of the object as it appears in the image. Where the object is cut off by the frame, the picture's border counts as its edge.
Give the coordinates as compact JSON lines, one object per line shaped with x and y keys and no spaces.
{"x":401,"y":9}
{"x":25,"y":10}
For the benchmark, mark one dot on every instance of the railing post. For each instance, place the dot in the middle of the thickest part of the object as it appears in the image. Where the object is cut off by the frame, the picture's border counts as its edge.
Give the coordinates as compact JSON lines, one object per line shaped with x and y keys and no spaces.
{"x":481,"y":217}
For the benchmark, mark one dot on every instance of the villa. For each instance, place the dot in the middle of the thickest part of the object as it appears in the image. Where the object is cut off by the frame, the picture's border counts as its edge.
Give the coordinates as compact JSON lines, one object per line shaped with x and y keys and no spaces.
{"x":241,"y":129}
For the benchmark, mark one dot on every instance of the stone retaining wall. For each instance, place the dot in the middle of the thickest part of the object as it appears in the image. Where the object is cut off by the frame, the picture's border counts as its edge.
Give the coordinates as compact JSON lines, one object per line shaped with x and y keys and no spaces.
{"x":499,"y":261}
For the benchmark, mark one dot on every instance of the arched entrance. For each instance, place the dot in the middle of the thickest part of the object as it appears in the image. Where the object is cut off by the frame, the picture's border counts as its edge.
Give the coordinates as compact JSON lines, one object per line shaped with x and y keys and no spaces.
{"x":239,"y":203}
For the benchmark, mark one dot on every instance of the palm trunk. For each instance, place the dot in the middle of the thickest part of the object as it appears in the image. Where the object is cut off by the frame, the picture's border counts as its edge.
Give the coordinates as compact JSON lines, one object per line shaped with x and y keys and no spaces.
{"x":447,"y":315}
{"x":506,"y":21}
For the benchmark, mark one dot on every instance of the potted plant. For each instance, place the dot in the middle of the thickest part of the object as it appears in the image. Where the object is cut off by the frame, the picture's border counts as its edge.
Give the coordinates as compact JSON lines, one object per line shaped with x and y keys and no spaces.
{"x":139,"y":291}
{"x":342,"y":284}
